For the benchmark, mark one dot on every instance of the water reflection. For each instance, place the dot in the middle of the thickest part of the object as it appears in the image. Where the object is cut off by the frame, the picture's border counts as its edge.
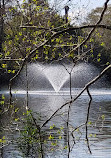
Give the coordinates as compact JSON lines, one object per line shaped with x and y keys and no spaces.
{"x":47,"y":102}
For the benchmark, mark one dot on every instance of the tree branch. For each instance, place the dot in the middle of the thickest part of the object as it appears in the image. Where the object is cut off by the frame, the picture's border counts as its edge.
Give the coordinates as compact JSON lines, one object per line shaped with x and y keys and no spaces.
{"x":108,"y":27}
{"x":87,"y":119}
{"x":73,"y":100}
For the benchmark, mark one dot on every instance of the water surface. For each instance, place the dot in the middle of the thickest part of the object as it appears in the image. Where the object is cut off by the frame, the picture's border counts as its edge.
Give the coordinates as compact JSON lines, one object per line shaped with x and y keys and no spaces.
{"x":46,"y":102}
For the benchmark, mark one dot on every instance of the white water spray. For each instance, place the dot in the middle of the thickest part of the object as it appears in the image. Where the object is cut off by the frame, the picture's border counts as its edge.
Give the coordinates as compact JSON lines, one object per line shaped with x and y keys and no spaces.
{"x":57,"y":75}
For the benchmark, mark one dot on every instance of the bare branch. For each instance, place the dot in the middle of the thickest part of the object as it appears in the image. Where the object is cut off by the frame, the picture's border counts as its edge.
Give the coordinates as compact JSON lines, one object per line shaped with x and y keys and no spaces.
{"x":35,"y":27}
{"x":108,"y":27}
{"x":68,"y":132}
{"x":89,"y":105}
{"x":8,"y":59}
{"x":73,"y":100}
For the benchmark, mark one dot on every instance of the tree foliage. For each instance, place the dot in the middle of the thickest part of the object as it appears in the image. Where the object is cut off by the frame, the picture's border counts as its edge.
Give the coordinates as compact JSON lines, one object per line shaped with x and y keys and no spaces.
{"x":102,"y":37}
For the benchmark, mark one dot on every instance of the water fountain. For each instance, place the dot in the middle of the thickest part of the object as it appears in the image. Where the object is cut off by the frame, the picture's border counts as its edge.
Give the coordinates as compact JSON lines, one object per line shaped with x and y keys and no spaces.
{"x":46,"y":77}
{"x":56,"y":75}
{"x":55,"y":78}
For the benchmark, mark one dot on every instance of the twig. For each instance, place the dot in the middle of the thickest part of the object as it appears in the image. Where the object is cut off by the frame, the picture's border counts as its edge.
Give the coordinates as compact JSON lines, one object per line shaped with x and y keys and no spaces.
{"x":68,"y":132}
{"x":89,"y":105}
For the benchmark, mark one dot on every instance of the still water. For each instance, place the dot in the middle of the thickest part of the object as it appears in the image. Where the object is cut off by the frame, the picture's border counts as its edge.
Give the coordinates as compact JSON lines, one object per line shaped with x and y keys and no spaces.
{"x":46,"y":102}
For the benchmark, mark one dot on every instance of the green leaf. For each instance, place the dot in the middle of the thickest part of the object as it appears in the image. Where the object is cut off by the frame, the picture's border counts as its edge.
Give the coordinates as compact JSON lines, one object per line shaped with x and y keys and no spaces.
{"x":92,"y":55}
{"x":4,"y":65}
{"x":108,"y":63}
{"x":20,"y":33}
{"x":9,"y":71}
{"x":90,"y":135}
{"x":16,"y":119}
{"x":46,"y":58}
{"x":54,"y":144}
{"x":10,"y":42}
{"x":99,"y":54}
{"x":65,"y":147}
{"x":85,"y":46}
{"x":89,"y":123}
{"x":7,"y":53}
{"x":3,"y":97}
{"x":98,"y":59}
{"x":51,"y":127}
{"x":94,"y":135}
{"x":61,"y":127}
{"x":58,"y":131}
{"x":2,"y":102}
{"x":103,"y":117}
{"x":51,"y":137}
{"x":3,"y":137}
{"x":13,"y":71}
{"x":3,"y":140}
{"x":16,"y":109}
{"x":60,"y":137}
{"x":102,"y":44}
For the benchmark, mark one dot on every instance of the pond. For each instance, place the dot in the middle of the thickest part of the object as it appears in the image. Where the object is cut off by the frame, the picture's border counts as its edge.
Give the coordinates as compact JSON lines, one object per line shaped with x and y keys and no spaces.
{"x":45,"y":103}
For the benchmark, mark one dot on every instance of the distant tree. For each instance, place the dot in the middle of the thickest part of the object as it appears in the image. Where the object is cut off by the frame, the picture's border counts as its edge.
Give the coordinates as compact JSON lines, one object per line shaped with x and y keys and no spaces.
{"x":2,"y":10}
{"x":101,"y":37}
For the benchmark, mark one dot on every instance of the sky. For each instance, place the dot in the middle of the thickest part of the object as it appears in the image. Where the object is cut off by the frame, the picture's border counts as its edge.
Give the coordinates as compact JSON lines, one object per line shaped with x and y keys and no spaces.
{"x":78,"y":8}
{"x":90,"y":4}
